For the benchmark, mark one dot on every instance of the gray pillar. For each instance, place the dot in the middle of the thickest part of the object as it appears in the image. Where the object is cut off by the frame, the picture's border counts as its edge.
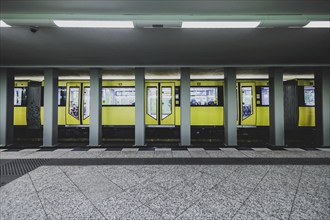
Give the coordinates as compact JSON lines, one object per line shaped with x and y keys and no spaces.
{"x":322,"y":106}
{"x":95,"y":120}
{"x":50,"y":107}
{"x":185,"y":132}
{"x":139,"y":107}
{"x":230,"y":107}
{"x":6,"y":107}
{"x":276,"y":107}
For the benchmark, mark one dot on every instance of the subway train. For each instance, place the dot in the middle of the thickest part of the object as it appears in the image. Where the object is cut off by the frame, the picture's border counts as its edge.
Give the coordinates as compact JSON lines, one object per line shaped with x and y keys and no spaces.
{"x":162,"y":103}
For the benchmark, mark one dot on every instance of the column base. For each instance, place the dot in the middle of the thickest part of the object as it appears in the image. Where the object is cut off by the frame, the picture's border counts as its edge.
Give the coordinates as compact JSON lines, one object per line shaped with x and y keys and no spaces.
{"x":226,"y":145}
{"x":99,"y":145}
{"x":55,"y":145}
{"x":8,"y":145}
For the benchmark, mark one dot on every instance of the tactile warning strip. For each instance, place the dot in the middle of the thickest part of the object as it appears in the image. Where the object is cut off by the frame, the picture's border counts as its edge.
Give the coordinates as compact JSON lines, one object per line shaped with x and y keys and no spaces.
{"x":15,"y":168}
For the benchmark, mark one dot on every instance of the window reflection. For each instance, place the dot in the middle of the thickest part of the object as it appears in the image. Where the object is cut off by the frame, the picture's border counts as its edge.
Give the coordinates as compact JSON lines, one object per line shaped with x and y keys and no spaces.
{"x":309,"y":95}
{"x":166,"y":101}
{"x":264,"y":95}
{"x":152,"y":101}
{"x":86,"y":102}
{"x":74,"y":102}
{"x":61,"y":96}
{"x":118,"y":96}
{"x":203,"y":96}
{"x":20,"y":96}
{"x":247,"y":107}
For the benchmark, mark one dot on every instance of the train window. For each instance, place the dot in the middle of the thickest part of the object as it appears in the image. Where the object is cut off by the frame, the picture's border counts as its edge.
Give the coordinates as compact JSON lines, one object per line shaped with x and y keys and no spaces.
{"x":20,"y":96}
{"x":118,"y":96}
{"x":61,"y":96}
{"x":166,"y":101}
{"x":264,"y":95}
{"x":203,"y":96}
{"x":86,"y":102}
{"x":152,"y":101}
{"x":247,"y":107}
{"x":74,"y":102}
{"x":309,"y":95}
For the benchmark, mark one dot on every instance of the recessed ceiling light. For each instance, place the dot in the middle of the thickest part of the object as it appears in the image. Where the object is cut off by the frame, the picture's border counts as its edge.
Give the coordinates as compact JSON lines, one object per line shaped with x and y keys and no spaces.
{"x":220,"y":24}
{"x":318,"y":24}
{"x":3,"y":24}
{"x":94,"y":24}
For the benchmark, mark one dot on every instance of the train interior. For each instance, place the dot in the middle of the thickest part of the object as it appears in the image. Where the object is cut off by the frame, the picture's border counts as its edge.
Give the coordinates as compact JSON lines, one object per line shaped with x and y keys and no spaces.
{"x":162,"y":106}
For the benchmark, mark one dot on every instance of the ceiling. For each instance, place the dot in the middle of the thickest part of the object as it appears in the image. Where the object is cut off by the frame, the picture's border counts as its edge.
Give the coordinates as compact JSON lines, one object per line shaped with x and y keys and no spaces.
{"x":273,"y":45}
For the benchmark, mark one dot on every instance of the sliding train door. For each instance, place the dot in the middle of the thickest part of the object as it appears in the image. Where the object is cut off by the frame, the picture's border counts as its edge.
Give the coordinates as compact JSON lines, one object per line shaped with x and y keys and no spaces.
{"x":247,"y":109}
{"x":160,"y":103}
{"x":78,"y":103}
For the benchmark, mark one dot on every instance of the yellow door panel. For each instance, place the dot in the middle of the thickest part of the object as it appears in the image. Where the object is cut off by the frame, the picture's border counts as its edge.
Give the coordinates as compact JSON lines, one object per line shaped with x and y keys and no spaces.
{"x":263,"y":116}
{"x":177,"y":115}
{"x":306,"y":116}
{"x":61,"y":115}
{"x":20,"y":116}
{"x":73,"y":103}
{"x":159,"y":103}
{"x":118,"y":115}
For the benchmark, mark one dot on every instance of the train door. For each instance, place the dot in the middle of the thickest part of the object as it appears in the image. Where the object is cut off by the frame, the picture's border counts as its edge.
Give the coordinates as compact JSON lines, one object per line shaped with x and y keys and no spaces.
{"x":247,"y":105}
{"x":160,"y":103}
{"x":77,"y":105}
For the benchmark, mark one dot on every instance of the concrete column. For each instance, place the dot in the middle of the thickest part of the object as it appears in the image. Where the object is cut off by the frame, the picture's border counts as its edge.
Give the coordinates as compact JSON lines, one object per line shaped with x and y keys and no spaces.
{"x":95,"y":121}
{"x":6,"y":107}
{"x":139,"y":107}
{"x":322,"y":106}
{"x":185,"y":131}
{"x":230,"y":107}
{"x":276,"y":107}
{"x":50,"y":107}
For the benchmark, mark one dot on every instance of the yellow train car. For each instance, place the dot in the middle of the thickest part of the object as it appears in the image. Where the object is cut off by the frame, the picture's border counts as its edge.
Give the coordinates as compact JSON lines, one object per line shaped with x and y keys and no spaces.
{"x":162,"y":103}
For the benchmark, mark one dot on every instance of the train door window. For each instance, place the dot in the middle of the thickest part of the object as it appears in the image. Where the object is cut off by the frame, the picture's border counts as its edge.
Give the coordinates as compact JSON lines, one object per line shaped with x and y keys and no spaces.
{"x":247,"y":107}
{"x":265,"y":96}
{"x":86,"y":102}
{"x":61,"y":96}
{"x":309,"y":95}
{"x":152,"y":101}
{"x":74,"y":102}
{"x":20,"y":96}
{"x":203,"y":96}
{"x":166,"y":101}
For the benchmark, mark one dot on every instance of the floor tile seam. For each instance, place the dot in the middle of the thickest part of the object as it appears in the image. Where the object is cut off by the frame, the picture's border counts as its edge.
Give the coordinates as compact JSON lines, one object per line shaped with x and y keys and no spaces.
{"x":191,"y":205}
{"x":246,"y":154}
{"x":139,"y":206}
{"x":224,"y":178}
{"x":243,"y":203}
{"x":317,"y":175}
{"x":295,"y":196}
{"x":97,"y":170}
{"x":79,"y":190}
{"x":36,"y":192}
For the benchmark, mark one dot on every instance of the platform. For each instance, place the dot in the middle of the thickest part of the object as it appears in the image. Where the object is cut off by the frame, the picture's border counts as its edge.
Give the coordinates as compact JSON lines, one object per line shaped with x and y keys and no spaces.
{"x":165,"y":183}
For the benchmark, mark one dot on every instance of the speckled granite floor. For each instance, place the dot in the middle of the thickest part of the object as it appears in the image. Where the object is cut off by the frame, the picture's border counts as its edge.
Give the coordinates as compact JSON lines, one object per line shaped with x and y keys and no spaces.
{"x":169,"y":192}
{"x":229,"y":152}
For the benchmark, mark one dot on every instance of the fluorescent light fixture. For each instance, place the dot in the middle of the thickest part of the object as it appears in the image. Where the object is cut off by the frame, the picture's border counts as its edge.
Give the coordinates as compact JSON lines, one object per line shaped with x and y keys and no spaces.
{"x":318,"y":24}
{"x":3,"y":24}
{"x":220,"y":24}
{"x":94,"y":24}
